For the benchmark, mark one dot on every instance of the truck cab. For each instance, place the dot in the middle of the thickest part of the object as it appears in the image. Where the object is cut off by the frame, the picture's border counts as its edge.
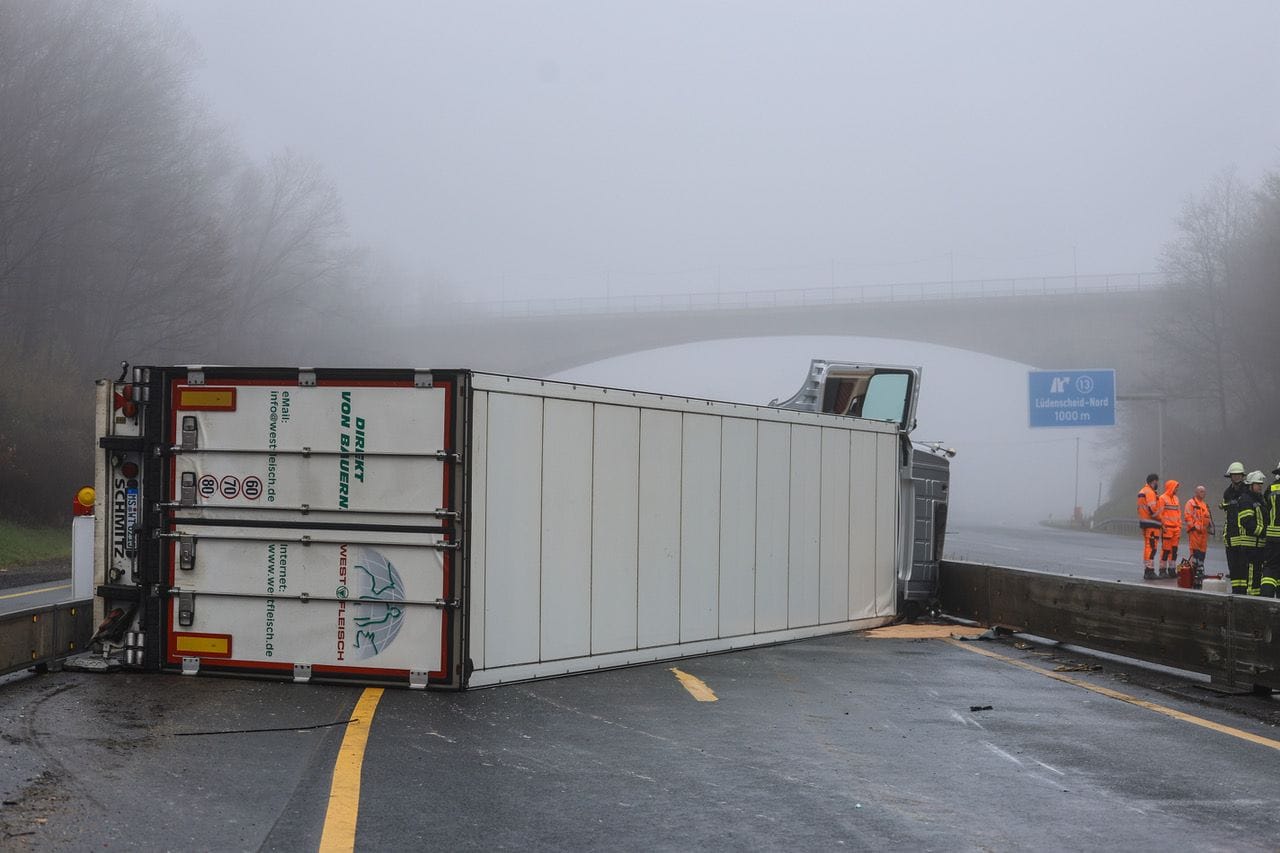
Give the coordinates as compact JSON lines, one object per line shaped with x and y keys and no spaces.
{"x":889,"y":393}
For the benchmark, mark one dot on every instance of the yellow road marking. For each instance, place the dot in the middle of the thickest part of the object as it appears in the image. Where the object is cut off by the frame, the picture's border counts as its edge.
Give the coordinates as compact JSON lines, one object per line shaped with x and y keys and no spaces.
{"x":1123,"y":697}
{"x":35,"y":591}
{"x":697,"y":688}
{"x":907,"y":631}
{"x":344,"y":793}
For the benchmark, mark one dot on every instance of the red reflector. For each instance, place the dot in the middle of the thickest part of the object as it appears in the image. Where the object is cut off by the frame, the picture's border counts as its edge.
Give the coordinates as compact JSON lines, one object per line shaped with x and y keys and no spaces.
{"x":129,"y":469}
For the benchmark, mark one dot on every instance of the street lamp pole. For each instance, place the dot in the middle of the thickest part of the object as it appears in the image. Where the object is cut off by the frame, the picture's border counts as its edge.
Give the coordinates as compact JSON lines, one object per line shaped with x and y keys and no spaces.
{"x":1075,"y":502}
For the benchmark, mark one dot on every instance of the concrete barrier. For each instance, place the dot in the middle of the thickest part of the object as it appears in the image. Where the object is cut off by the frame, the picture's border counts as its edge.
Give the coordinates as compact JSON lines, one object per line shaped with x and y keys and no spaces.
{"x":1233,"y":639}
{"x":44,"y":635}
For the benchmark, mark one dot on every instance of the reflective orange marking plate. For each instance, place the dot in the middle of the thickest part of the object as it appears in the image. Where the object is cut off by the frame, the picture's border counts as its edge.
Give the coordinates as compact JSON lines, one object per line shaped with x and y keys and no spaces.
{"x":209,"y":645}
{"x":206,"y":399}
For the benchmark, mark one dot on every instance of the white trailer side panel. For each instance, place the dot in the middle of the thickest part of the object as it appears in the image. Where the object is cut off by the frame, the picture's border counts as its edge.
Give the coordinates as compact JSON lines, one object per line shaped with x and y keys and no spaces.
{"x":513,"y":530}
{"x":700,"y":531}
{"x":862,"y":525}
{"x":886,"y":526}
{"x":833,"y":562}
{"x":658,"y":617}
{"x":477,"y":533}
{"x":622,"y":528}
{"x":806,"y":525}
{"x":737,"y":581}
{"x":773,"y":525}
{"x":567,"y":441}
{"x":614,"y":529}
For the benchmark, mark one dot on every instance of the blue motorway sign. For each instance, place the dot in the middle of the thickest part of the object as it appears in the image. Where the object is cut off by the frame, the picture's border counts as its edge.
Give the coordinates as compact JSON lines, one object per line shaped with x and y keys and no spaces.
{"x":1072,"y":398}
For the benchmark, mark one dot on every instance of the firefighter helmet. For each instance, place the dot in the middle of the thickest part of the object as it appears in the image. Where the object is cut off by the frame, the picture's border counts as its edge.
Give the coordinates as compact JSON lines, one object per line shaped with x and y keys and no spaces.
{"x":1254,"y":477}
{"x":1234,"y":468}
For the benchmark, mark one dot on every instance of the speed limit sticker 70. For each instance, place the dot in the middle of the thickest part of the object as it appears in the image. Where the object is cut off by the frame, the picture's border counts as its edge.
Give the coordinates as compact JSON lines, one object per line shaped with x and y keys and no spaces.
{"x":229,"y":487}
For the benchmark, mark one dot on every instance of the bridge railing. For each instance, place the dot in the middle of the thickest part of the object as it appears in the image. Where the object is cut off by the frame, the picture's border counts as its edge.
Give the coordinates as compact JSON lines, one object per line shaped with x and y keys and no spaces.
{"x":739,"y":300}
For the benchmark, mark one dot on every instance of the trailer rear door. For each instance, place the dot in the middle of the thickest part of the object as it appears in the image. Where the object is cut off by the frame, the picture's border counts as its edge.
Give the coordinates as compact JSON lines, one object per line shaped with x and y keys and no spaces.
{"x":309,"y":523}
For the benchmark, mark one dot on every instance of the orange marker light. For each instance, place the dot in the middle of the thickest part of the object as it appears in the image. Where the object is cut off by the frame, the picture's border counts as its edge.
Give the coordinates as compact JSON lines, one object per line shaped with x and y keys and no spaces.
{"x":84,"y":500}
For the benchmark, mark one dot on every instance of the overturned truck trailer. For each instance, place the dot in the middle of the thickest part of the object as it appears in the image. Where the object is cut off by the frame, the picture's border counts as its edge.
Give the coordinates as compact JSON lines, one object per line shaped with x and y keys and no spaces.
{"x":453,"y":528}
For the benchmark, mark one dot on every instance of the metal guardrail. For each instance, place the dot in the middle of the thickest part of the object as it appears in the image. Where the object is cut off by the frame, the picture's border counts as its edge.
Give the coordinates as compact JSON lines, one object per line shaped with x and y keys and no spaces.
{"x":1127,"y":526}
{"x":44,"y":635}
{"x":930,"y":291}
{"x":1234,"y":639}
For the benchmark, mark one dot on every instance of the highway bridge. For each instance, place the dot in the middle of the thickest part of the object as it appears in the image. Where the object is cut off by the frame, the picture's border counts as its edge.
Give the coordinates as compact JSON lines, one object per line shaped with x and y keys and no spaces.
{"x":1077,"y":321}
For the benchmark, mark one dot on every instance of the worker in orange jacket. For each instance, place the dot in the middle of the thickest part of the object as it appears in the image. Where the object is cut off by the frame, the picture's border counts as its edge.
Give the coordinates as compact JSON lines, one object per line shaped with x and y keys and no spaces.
{"x":1149,"y":524}
{"x":1170,"y":529}
{"x":1198,"y":520}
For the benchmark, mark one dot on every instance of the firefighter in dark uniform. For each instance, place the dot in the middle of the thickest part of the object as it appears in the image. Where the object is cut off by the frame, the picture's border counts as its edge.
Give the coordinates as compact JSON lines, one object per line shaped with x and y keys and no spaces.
{"x":1235,"y":489}
{"x":1246,"y":535}
{"x":1271,"y":555}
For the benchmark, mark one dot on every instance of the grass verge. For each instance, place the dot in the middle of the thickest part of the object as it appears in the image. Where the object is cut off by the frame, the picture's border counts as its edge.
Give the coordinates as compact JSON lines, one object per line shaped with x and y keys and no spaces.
{"x":21,"y":545}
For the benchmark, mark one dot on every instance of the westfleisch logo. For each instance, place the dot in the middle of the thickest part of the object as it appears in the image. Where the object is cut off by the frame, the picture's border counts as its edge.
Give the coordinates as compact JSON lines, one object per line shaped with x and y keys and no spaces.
{"x":370,"y":603}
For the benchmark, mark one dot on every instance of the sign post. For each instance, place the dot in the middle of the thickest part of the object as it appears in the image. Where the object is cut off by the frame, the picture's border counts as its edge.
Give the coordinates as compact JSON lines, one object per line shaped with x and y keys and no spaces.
{"x":1072,"y":398}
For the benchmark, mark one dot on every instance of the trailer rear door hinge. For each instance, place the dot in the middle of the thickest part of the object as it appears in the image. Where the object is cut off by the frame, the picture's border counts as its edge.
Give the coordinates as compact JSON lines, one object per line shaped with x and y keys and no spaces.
{"x":417,"y":679}
{"x":306,"y":378}
{"x":190,"y":666}
{"x":422,"y":379}
{"x":190,"y":433}
{"x":447,"y":456}
{"x":186,"y":608}
{"x":186,"y":552}
{"x":187,"y":489}
{"x":301,"y":673}
{"x":195,"y":377}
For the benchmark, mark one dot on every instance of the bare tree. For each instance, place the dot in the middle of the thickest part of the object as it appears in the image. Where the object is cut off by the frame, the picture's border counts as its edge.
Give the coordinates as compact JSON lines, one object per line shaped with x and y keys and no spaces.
{"x":108,"y":236}
{"x":289,"y":254}
{"x":1199,"y":326}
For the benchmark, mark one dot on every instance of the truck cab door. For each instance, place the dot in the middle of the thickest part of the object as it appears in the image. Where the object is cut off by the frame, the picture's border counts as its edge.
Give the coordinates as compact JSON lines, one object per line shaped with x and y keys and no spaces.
{"x":878,"y":392}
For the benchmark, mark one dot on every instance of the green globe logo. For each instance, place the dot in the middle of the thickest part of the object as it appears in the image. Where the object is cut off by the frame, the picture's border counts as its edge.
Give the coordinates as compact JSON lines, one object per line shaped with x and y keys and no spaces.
{"x":377,"y":608}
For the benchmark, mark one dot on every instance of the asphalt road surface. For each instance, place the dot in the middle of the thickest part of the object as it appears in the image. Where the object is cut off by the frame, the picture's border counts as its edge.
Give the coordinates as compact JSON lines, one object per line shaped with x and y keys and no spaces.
{"x":1048,"y":549}
{"x":35,"y":585}
{"x":847,"y":742}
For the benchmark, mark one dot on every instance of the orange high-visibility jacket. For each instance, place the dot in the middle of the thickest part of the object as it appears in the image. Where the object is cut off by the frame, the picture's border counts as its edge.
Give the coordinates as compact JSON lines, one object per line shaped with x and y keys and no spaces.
{"x":1148,"y":507}
{"x":1171,"y":512}
{"x":1198,"y":519}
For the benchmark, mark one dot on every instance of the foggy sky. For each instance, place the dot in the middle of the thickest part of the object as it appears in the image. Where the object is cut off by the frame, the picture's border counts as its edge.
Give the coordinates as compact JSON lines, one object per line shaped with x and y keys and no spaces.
{"x":576,"y":148}
{"x":517,"y":150}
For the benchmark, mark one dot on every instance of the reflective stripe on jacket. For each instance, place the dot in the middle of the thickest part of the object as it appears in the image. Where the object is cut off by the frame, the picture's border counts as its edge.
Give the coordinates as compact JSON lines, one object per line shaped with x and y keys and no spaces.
{"x":1171,"y":511}
{"x":1246,"y":523}
{"x":1197,"y":515}
{"x":1272,"y":500}
{"x":1148,"y":507}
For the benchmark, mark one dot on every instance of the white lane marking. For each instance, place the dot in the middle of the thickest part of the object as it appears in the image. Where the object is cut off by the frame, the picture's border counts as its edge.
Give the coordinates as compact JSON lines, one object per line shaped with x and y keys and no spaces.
{"x":1000,"y":752}
{"x":1113,"y":562}
{"x":1047,"y":767}
{"x":961,"y":718}
{"x":1004,"y":547}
